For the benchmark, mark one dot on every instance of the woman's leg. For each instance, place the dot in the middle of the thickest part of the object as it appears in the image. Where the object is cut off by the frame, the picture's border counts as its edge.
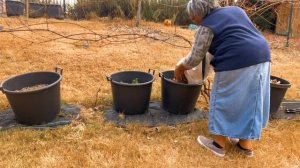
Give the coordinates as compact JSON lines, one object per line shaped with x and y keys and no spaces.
{"x":246,"y":143}
{"x":220,"y":140}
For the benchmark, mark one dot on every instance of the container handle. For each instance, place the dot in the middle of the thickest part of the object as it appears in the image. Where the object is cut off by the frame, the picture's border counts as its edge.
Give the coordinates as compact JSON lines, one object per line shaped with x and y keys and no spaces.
{"x":151,"y":71}
{"x":108,"y":78}
{"x":59,"y":70}
{"x":161,"y":75}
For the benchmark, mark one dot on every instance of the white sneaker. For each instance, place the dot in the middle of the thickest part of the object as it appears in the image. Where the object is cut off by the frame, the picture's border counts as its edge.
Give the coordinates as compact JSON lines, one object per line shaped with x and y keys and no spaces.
{"x":208,"y":144}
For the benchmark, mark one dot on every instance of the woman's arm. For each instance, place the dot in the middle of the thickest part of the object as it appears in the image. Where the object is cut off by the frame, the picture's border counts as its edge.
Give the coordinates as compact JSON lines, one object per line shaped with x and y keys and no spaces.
{"x":203,"y":39}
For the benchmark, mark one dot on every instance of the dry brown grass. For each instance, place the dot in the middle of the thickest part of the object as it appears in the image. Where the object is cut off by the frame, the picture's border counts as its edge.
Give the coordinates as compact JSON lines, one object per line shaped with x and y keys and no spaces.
{"x":91,"y":142}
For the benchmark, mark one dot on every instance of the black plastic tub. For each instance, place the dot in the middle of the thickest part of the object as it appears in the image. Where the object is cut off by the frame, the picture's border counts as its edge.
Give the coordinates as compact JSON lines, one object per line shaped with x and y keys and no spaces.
{"x":277,"y":93}
{"x":14,"y":8}
{"x":131,"y":98}
{"x":178,"y":98}
{"x":54,"y":11}
{"x":37,"y":106}
{"x":36,"y":10}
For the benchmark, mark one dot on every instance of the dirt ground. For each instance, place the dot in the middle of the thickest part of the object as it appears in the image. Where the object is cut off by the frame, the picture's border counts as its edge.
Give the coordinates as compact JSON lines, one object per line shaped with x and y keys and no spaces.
{"x":91,"y":142}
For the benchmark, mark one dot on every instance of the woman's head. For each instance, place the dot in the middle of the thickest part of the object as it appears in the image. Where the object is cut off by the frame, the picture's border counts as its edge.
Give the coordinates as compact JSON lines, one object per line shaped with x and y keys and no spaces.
{"x":198,"y":9}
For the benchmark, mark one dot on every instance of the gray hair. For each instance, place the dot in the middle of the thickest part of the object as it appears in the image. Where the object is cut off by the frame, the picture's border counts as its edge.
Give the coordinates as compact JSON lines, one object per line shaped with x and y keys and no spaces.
{"x":200,"y":8}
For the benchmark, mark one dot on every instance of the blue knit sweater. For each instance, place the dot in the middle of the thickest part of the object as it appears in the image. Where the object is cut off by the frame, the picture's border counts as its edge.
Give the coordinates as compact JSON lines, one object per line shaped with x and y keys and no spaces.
{"x":236,"y":43}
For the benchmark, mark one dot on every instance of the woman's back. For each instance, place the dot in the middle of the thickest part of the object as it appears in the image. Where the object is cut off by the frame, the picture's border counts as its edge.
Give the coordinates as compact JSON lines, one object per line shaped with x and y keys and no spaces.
{"x":236,"y":43}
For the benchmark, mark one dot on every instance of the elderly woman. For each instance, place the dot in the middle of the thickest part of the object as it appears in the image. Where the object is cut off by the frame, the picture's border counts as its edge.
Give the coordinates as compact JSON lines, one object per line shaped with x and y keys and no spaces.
{"x":240,"y":97}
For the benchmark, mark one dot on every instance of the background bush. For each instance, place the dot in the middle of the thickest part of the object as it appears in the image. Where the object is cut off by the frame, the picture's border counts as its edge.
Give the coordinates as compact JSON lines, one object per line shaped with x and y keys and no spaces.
{"x":158,"y":12}
{"x":151,"y":10}
{"x":102,"y":8}
{"x":266,"y":19}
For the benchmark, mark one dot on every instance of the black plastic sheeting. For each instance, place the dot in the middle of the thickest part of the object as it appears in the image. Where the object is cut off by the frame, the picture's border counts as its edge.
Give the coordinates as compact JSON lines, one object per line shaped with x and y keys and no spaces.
{"x":155,"y":116}
{"x":286,"y":104}
{"x":68,"y":113}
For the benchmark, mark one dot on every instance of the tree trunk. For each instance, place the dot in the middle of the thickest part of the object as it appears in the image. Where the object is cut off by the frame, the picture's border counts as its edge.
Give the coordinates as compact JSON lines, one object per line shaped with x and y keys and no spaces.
{"x":64,"y":6}
{"x":138,"y":14}
{"x":27,"y":9}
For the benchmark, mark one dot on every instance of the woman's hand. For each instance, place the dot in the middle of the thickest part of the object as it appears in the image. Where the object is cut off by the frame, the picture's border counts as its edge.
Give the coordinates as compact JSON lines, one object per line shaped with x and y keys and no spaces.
{"x":179,"y":73}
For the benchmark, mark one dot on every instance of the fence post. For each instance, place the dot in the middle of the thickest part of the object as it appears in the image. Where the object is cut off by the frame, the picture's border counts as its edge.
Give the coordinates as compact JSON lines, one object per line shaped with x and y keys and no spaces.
{"x":289,"y":24}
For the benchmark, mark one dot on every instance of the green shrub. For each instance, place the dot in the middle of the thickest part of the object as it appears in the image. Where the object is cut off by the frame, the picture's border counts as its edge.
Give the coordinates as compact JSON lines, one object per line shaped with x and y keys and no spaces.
{"x":264,"y":19}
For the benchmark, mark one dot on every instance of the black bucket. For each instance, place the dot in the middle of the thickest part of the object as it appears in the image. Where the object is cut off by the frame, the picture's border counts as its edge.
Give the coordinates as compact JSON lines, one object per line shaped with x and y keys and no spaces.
{"x":128,"y":97}
{"x":54,"y":11}
{"x":277,"y":93}
{"x":14,"y":8}
{"x":36,"y":10}
{"x":34,"y":106}
{"x":178,"y":98}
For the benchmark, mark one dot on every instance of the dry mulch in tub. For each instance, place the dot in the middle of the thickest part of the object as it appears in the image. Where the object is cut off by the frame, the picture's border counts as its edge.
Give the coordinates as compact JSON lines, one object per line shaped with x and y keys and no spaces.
{"x":32,"y":88}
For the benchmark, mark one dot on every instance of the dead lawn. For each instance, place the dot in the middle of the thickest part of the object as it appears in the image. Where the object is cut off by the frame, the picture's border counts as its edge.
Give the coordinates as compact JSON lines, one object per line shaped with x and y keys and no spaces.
{"x":91,"y":142}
